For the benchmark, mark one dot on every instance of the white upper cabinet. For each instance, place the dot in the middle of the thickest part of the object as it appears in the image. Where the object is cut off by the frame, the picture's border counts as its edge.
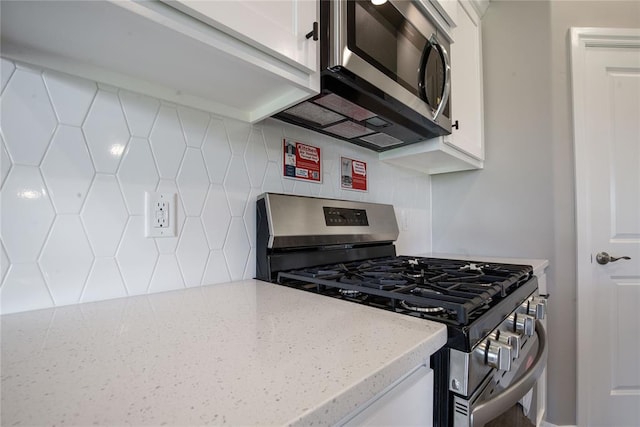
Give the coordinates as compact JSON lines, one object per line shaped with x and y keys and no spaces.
{"x":447,"y":9}
{"x":248,"y":60}
{"x":464,"y":148}
{"x":466,"y":83}
{"x":275,"y":26}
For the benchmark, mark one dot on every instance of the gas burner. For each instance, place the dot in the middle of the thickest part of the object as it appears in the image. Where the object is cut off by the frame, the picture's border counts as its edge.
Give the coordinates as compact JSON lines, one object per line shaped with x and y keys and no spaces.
{"x":430,"y":310}
{"x":473,"y":267}
{"x":350,"y":293}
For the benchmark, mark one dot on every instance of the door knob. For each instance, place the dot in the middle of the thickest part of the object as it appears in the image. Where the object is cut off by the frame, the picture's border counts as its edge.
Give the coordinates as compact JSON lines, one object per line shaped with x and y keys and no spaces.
{"x":604,"y":258}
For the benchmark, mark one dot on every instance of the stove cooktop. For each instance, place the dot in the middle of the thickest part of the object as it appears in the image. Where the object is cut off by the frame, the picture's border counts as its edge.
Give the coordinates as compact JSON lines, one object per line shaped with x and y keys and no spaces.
{"x":465,"y":295}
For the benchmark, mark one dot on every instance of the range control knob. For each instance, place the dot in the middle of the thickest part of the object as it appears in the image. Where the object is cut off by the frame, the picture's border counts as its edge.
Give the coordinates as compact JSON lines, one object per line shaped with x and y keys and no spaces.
{"x":536,"y":307}
{"x":496,"y":354}
{"x":522,"y":324}
{"x":509,"y":338}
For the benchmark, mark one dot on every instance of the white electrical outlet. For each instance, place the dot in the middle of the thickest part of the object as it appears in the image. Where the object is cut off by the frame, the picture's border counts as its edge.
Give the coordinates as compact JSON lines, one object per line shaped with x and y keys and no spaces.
{"x":160,"y":214}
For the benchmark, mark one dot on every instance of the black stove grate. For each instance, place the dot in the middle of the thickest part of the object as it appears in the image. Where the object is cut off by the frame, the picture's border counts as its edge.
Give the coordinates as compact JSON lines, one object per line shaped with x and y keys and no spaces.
{"x":451,"y":291}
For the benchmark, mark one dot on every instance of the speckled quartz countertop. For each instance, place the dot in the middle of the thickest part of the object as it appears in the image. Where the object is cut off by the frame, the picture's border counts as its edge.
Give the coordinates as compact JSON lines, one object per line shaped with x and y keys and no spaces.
{"x":243,"y":353}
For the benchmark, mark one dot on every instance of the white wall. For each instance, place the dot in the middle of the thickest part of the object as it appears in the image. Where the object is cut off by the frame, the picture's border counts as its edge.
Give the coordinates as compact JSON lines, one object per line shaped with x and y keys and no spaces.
{"x":78,"y":156}
{"x":522,"y":203}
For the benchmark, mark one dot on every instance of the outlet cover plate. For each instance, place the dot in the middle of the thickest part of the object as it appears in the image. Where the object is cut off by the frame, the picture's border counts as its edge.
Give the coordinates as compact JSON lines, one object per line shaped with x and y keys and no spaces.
{"x":160,"y":214}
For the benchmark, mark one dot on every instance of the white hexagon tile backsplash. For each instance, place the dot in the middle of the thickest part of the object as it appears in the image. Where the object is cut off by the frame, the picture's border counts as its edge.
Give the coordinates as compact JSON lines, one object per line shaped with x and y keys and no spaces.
{"x":77,"y":157}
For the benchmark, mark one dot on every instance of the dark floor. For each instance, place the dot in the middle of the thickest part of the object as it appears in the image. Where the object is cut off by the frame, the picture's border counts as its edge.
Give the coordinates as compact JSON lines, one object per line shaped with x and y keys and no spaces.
{"x":512,"y":418}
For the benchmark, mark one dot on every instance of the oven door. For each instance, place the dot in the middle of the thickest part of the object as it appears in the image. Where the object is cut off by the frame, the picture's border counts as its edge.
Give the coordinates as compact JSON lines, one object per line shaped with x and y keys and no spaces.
{"x":501,"y":391}
{"x":395,"y":48}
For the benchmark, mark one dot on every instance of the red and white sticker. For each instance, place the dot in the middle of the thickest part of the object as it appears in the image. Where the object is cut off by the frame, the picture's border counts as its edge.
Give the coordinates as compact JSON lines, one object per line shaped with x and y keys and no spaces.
{"x":301,"y":161}
{"x":353,"y":174}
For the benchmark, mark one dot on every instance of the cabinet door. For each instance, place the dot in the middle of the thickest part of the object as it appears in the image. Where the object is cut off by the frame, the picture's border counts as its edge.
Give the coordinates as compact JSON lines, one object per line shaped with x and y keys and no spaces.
{"x":277,"y":27}
{"x":466,"y":83}
{"x":409,"y":403}
{"x":448,"y":9}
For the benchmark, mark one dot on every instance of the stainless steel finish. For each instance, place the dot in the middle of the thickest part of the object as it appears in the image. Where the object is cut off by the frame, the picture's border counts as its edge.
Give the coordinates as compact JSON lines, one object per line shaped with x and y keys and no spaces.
{"x":536,"y":307}
{"x":461,"y":374}
{"x":488,"y":410}
{"x":604,"y":258}
{"x":297,"y":221}
{"x":468,"y":370}
{"x":497,"y":354}
{"x":498,"y":392}
{"x":340,"y":55}
{"x":447,"y":75}
{"x":338,"y":31}
{"x":522,"y":324}
{"x":508,"y":338}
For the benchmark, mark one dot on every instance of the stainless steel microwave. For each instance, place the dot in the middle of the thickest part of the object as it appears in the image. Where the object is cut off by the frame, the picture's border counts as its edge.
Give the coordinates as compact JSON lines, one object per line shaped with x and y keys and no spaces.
{"x":385,"y":76}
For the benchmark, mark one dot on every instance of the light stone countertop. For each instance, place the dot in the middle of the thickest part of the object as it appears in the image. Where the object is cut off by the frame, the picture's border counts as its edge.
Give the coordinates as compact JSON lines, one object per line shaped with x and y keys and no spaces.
{"x":243,"y":353}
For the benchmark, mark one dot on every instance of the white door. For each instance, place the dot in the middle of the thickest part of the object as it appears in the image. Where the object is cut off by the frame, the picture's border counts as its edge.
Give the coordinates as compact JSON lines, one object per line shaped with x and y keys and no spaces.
{"x":606,"y":102}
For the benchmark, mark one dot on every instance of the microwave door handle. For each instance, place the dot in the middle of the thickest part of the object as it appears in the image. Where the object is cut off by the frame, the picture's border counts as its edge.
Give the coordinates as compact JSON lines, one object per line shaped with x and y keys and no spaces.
{"x":490,"y":409}
{"x":422,"y":87}
{"x":432,"y":43}
{"x":433,"y":40}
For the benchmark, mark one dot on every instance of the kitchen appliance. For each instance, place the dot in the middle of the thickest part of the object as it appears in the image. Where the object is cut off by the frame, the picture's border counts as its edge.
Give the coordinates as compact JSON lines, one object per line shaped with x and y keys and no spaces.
{"x":385,"y":76}
{"x":496,"y":347}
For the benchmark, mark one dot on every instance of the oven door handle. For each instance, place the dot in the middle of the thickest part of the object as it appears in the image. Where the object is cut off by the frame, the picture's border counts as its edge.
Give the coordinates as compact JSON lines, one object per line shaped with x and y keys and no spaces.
{"x":490,"y":409}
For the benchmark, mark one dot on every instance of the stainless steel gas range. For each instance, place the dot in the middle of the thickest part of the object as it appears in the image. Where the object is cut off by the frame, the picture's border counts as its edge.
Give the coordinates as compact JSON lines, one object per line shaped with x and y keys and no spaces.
{"x":496,"y":347}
